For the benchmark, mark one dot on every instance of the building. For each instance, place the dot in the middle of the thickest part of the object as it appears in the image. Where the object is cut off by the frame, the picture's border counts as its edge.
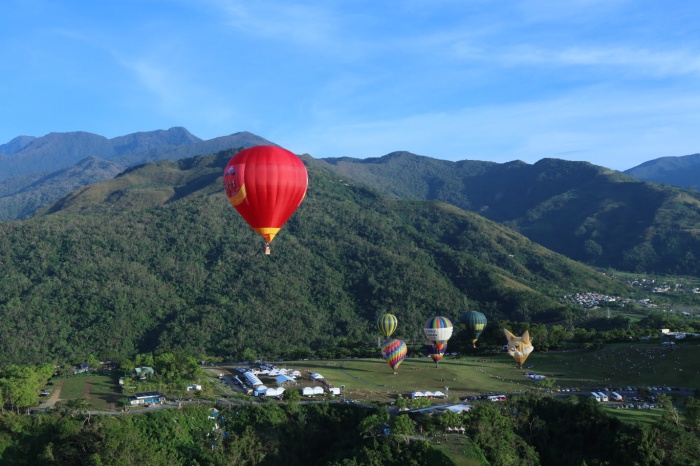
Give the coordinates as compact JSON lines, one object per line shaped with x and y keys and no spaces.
{"x":147,"y":397}
{"x":82,"y":368}
{"x":142,"y":372}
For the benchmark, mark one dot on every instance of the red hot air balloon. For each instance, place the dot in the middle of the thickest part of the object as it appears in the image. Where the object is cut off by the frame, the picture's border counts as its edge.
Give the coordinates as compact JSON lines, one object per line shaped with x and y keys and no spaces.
{"x":265,"y":184}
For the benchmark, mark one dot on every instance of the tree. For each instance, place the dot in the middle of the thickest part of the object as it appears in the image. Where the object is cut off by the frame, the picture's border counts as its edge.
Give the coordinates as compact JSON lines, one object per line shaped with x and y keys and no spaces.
{"x":402,"y":426}
{"x":692,"y":412}
{"x":249,"y":355}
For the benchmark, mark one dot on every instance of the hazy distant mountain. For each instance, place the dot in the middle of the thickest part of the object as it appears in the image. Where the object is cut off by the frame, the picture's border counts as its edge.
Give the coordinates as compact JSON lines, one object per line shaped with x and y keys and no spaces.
{"x":16,"y":144}
{"x":57,"y":160}
{"x":586,"y":212}
{"x":47,"y":189}
{"x":677,"y":171}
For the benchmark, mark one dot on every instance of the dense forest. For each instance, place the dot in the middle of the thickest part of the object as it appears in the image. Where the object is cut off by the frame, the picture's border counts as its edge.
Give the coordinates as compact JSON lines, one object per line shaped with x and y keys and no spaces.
{"x":158,"y":259}
{"x":529,"y":430}
{"x":586,"y":212}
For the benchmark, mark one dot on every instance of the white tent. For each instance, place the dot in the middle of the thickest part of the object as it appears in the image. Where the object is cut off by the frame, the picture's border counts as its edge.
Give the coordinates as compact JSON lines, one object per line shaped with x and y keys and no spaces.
{"x":295,"y":373}
{"x":261,"y":389}
{"x":252,"y":379}
{"x":275,"y":391}
{"x":429,"y":394}
{"x":307,"y":391}
{"x":439,"y":394}
{"x":459,"y":408}
{"x":318,"y":391}
{"x":417,"y":395}
{"x":334,"y":391}
{"x":317,"y":376}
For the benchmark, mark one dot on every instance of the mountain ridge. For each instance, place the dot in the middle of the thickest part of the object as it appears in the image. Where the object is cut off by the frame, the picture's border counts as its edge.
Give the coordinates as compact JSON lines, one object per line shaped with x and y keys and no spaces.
{"x":158,"y":258}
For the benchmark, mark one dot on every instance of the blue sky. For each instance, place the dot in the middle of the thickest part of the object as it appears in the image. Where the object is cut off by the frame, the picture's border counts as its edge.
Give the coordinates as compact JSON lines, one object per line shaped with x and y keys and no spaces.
{"x":612,"y":82}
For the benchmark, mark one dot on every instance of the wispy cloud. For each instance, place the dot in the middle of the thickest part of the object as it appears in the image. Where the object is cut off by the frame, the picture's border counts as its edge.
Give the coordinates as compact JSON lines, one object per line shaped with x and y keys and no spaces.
{"x":300,"y":24}
{"x":614,"y":129}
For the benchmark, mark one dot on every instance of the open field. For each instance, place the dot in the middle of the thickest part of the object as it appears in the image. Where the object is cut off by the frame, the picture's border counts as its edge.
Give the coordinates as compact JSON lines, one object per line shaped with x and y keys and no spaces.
{"x":634,"y":364}
{"x":648,"y":416}
{"x":100,"y":390}
{"x":629,"y":364}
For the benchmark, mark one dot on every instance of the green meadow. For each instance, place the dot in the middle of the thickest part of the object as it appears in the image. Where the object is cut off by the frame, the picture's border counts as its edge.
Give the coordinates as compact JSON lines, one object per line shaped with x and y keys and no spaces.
{"x":100,"y":390}
{"x":628,"y":364}
{"x":633,"y":364}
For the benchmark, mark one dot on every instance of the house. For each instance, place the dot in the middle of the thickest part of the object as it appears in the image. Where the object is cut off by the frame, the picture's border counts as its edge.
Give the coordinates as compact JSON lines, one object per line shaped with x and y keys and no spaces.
{"x":82,"y":368}
{"x":194,"y":386}
{"x":109,"y":366}
{"x":142,"y":372}
{"x":147,"y":397}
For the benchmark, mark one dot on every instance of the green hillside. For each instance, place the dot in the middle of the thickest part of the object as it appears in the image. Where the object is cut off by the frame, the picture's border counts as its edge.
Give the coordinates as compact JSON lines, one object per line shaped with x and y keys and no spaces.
{"x":589,"y":213}
{"x":158,"y":258}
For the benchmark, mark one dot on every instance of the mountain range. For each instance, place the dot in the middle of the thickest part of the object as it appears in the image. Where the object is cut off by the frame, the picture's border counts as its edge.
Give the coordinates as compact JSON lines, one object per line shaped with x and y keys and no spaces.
{"x":594,"y":215}
{"x":677,"y":171}
{"x":35,"y":172}
{"x":157,"y":258}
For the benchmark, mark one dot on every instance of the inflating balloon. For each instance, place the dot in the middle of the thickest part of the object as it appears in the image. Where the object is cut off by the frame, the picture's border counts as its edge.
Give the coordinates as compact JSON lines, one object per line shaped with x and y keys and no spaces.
{"x":394,"y":351}
{"x":473,"y":323}
{"x":265,"y":184}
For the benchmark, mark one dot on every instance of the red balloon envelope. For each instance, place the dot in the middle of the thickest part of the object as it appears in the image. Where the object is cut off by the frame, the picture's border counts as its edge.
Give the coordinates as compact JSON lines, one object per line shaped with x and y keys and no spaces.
{"x":265,"y":184}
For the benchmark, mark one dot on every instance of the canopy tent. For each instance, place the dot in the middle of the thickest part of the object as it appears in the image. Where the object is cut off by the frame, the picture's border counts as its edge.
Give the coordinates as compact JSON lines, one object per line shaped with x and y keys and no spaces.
{"x":307,"y":391}
{"x":252,"y":379}
{"x":316,"y":376}
{"x":282,"y":379}
{"x":318,"y":391}
{"x":417,"y":395}
{"x":439,"y":394}
{"x":274,"y":391}
{"x":459,"y":408}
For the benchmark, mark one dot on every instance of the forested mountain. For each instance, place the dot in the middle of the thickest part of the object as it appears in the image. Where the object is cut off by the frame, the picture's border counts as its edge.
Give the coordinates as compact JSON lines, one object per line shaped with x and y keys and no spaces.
{"x":35,"y":172}
{"x":586,"y":212}
{"x":677,"y":171}
{"x":158,"y":258}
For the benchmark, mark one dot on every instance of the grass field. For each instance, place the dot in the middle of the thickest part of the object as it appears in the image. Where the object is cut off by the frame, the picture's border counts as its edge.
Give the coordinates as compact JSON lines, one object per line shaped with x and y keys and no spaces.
{"x":636,"y":364}
{"x":99,"y":389}
{"x":648,"y":416}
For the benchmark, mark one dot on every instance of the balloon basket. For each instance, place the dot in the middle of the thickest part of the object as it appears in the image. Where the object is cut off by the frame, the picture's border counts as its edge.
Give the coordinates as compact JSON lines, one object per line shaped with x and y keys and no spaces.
{"x":267,"y":249}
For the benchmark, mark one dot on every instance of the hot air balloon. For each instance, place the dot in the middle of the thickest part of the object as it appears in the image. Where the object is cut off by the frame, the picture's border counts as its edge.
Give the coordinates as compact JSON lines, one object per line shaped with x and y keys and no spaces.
{"x":438,"y":330}
{"x":436,"y":352}
{"x":519,"y":347}
{"x":265,"y":184}
{"x":473,"y":323}
{"x":394,"y":351}
{"x":387,"y":324}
